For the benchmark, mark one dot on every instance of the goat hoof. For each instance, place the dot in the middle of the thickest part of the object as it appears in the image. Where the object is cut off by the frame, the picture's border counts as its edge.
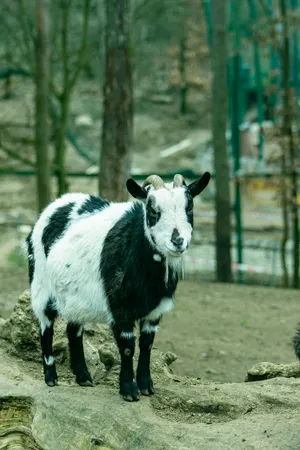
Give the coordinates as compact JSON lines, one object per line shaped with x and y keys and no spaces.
{"x":86,"y":383}
{"x":146,"y":392}
{"x":145,"y":385}
{"x":84,"y":379}
{"x":50,"y":376}
{"x":51,"y":383}
{"x":129,"y":391}
{"x":130,"y":398}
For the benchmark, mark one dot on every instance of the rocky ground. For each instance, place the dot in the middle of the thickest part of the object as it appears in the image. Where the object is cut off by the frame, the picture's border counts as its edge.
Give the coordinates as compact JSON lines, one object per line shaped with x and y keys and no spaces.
{"x":185,"y":413}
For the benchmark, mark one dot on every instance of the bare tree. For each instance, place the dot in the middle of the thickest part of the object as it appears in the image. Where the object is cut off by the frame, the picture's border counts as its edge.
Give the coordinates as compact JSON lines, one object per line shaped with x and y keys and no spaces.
{"x":69,"y":52}
{"x":182,"y":70}
{"x":219,"y":122}
{"x":41,"y":104}
{"x":285,"y":217}
{"x":115,"y":161}
{"x":288,"y":132}
{"x":70,"y":73}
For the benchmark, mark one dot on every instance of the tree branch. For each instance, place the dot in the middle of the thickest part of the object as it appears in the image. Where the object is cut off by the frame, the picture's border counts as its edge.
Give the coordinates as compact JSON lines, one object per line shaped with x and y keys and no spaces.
{"x":65,"y":5}
{"x":14,"y":155}
{"x":83,"y":46}
{"x":269,"y":13}
{"x":26,"y":32}
{"x":15,"y":40}
{"x":55,"y":91}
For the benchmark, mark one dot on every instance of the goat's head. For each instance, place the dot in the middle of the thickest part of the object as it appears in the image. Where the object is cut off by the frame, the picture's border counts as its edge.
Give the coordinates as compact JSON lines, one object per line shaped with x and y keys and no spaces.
{"x":169,"y":211}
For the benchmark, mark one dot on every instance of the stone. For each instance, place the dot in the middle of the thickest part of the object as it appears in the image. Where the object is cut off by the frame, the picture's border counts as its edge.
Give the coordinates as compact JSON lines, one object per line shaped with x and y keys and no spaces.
{"x":266,"y":370}
{"x":184,"y":413}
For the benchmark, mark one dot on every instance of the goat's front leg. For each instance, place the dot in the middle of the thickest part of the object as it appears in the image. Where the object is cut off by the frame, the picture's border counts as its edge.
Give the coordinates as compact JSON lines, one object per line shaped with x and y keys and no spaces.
{"x":148,"y":329}
{"x":123,"y":333}
{"x":78,"y":364}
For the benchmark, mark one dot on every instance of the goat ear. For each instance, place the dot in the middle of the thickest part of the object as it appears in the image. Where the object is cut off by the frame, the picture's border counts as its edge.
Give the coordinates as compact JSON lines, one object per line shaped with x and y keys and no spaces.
{"x":199,"y":185}
{"x":136,"y":190}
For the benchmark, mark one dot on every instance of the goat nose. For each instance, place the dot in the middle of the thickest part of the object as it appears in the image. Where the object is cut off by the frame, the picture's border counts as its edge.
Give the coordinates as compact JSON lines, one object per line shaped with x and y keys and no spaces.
{"x":177,"y":241}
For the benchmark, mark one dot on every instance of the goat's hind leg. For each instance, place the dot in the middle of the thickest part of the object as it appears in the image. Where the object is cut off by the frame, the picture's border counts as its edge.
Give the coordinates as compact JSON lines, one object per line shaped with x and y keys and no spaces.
{"x":46,"y":337}
{"x":78,"y":364}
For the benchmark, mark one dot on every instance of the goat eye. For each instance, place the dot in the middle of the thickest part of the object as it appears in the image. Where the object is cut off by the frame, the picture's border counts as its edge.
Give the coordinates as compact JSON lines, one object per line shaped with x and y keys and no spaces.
{"x":190,"y":210}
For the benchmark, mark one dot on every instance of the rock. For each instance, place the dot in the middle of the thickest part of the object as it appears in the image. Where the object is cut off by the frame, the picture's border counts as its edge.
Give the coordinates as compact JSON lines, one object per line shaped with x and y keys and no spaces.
{"x":183,"y":414}
{"x":22,"y":331}
{"x":169,"y":358}
{"x":3,"y":328}
{"x":213,"y":416}
{"x":266,"y":370}
{"x":109,"y":356}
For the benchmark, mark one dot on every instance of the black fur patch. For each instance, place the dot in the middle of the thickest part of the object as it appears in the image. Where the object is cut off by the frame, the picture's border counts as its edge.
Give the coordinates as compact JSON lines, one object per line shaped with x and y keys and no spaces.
{"x":93,"y":204}
{"x":128,"y":387}
{"x":77,"y":358}
{"x":30,"y":257}
{"x":175,"y":234}
{"x":50,"y":310}
{"x":50,"y":374}
{"x":189,"y":208}
{"x":151,"y":217}
{"x":46,"y":338}
{"x":57,"y":225}
{"x":127,"y":251}
{"x":143,"y":377}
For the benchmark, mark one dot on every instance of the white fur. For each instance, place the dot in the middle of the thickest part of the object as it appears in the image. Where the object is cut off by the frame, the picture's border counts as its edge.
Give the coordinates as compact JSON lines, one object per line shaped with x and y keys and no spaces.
{"x":79,"y":332}
{"x":165,"y":306}
{"x":40,"y":287}
{"x":73,"y":267}
{"x":71,"y":271}
{"x":148,"y":328}
{"x":127,"y":334}
{"x":49,"y":361}
{"x":172,"y":206}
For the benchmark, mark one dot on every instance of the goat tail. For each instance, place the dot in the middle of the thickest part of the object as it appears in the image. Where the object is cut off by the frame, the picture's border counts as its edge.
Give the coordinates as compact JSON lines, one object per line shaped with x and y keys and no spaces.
{"x":296,"y":342}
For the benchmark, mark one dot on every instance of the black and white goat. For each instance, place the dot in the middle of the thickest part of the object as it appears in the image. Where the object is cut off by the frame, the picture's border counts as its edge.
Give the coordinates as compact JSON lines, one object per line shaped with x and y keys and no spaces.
{"x":91,"y":260}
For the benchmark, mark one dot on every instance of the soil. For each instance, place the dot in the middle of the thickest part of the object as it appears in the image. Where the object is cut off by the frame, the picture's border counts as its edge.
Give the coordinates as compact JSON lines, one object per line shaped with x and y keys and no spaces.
{"x":193,"y":413}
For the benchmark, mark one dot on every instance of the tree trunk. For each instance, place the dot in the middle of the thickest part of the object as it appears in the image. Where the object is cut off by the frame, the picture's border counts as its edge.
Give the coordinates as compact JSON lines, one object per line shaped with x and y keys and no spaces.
{"x":182,"y":71}
{"x":115,"y":161}
{"x":7,"y":88}
{"x":60,"y":146}
{"x":219,"y":121}
{"x":288,"y":131}
{"x":41,"y":105}
{"x":285,"y":219}
{"x":69,"y":80}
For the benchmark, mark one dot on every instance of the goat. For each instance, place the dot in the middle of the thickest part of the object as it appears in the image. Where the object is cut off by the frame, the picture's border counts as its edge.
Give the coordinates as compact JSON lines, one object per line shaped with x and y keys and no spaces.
{"x":90,"y":260}
{"x":296,"y":342}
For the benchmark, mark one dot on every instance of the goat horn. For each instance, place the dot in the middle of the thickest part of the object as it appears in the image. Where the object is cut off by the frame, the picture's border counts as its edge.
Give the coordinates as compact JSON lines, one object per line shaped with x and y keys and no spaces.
{"x":178,"y":181}
{"x":155,"y":181}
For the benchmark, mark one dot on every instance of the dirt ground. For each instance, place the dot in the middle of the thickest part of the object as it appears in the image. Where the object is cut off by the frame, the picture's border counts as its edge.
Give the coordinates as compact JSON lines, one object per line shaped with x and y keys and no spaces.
{"x":193,"y":413}
{"x":217,"y":332}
